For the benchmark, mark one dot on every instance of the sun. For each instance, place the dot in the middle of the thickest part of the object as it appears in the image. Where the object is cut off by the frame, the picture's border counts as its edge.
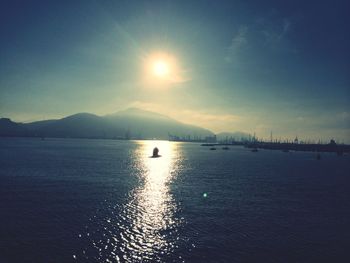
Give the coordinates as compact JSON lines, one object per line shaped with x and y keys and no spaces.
{"x":160,"y":68}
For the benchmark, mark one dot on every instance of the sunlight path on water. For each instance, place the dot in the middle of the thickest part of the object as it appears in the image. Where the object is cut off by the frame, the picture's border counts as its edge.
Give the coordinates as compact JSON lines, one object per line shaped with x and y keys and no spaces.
{"x":151,"y":208}
{"x":146,"y":227}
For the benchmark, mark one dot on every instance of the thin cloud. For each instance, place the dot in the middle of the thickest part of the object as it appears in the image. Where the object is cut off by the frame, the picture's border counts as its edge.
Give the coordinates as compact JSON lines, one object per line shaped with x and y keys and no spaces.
{"x":238,"y":41}
{"x":274,"y":34}
{"x":206,"y":117}
{"x":179,"y":77}
{"x":286,"y":26}
{"x":266,"y":31}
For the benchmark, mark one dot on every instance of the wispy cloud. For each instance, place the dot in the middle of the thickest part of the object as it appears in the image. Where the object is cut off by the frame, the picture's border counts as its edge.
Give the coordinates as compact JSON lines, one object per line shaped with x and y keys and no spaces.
{"x":273,"y":34}
{"x":286,"y":26}
{"x":238,"y":42}
{"x":181,"y":76}
{"x":263,"y":33}
{"x":202,"y":117}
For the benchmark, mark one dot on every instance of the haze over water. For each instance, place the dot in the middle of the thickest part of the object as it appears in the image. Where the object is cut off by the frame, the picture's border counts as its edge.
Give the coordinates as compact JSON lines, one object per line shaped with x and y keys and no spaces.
{"x":65,"y":200}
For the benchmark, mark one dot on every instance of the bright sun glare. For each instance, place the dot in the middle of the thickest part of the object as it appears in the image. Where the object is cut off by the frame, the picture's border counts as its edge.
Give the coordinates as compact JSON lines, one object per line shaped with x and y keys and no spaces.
{"x":160,"y":68}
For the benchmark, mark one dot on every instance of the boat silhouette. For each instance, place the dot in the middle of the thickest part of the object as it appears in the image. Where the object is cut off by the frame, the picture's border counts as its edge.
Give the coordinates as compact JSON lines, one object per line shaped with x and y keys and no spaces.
{"x":155,"y":153}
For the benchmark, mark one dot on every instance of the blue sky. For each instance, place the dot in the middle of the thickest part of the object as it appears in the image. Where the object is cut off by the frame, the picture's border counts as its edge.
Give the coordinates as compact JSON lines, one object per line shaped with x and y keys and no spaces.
{"x":255,"y":66}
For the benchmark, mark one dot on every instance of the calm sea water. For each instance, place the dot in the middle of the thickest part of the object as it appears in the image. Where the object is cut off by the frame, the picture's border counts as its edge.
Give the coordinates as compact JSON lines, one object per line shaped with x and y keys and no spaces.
{"x":70,"y":200}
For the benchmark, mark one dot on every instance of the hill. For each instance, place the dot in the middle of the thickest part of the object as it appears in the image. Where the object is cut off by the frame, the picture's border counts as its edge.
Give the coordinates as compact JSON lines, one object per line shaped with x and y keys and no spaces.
{"x":131,"y":123}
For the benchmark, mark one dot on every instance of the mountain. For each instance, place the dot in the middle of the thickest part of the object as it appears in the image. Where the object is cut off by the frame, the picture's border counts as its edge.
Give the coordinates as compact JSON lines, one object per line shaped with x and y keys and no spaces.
{"x":130,"y":123}
{"x":10,"y":128}
{"x":135,"y":112}
{"x":146,"y":124}
{"x":81,"y":125}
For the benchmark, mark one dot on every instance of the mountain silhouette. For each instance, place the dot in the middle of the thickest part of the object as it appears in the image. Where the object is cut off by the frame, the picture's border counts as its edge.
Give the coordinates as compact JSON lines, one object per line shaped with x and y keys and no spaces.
{"x":10,"y":128}
{"x":131,"y":123}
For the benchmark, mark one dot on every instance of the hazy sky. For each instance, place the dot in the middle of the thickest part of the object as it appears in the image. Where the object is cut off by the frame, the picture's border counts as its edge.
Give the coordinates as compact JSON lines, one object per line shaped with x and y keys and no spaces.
{"x":255,"y":66}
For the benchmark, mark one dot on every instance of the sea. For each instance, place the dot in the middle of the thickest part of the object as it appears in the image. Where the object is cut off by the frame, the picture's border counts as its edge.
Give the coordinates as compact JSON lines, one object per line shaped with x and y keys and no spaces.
{"x":86,"y":200}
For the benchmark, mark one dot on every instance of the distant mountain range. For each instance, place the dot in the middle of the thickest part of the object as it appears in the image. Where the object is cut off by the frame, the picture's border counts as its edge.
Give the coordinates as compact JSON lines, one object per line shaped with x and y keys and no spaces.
{"x":128,"y":124}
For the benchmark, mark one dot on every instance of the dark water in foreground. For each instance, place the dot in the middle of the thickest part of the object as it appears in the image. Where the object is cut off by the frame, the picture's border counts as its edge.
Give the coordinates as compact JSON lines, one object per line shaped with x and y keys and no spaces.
{"x":65,"y":200}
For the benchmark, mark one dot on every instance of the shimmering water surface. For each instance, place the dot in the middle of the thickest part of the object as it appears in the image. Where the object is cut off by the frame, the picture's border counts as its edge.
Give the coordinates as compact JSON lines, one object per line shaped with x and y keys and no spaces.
{"x":70,"y":200}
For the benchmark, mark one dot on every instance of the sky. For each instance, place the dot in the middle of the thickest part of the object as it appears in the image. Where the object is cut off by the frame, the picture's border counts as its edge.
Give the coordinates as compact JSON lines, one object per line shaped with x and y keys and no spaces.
{"x":252,"y":66}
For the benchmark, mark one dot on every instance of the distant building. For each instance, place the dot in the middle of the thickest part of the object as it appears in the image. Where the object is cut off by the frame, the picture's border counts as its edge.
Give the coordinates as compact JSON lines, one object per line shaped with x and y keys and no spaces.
{"x":296,"y":141}
{"x":332,"y":142}
{"x":211,"y":139}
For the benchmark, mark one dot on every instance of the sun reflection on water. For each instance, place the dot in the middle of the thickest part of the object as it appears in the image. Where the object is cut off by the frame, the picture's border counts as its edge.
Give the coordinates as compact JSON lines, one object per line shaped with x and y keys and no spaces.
{"x":151,"y":208}
{"x":145,"y":228}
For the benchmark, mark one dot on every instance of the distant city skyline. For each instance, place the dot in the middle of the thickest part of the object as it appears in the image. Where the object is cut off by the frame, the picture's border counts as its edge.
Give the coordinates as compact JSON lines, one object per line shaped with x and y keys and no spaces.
{"x":228,"y":66}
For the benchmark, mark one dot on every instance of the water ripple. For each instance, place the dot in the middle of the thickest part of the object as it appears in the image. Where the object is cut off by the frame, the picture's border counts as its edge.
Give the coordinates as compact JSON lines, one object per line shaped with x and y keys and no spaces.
{"x":146,"y":226}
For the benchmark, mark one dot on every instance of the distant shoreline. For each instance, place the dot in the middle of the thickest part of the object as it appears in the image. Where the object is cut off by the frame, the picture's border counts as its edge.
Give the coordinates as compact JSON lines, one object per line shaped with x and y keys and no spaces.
{"x":339,"y":149}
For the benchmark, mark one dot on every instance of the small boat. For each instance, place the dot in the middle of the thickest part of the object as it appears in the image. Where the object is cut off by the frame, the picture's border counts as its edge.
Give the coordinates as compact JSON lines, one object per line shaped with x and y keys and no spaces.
{"x":225,"y":148}
{"x":212,"y":148}
{"x":155,"y":153}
